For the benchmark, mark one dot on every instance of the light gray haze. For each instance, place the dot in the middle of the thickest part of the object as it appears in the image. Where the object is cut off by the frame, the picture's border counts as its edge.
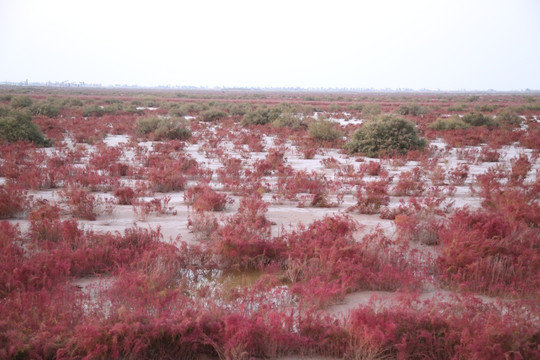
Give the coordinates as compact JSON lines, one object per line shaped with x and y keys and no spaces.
{"x":433,"y":44}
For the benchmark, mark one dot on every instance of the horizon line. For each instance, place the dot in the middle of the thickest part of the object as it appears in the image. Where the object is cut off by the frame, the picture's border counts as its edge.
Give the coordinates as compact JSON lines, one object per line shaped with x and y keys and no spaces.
{"x":82,"y":84}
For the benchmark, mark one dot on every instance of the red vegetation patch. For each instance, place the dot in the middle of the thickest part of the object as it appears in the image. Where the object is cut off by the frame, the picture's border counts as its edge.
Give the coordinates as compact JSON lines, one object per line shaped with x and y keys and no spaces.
{"x":203,"y":198}
{"x":487,"y":252}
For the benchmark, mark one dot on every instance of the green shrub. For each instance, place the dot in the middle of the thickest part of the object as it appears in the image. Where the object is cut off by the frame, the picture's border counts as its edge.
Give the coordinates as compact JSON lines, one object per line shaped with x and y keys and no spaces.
{"x":93,"y":110}
{"x":6,"y":97}
{"x":289,"y":120}
{"x":212,"y":115}
{"x":385,"y":135}
{"x":323,"y":130}
{"x":4,"y":110}
{"x":370,"y":110}
{"x":72,"y":102}
{"x":18,"y":126}
{"x":172,"y":129}
{"x":164,"y":128}
{"x":355,"y":107}
{"x":508,"y":116}
{"x":261,"y":116}
{"x":46,"y":108}
{"x":458,"y":107}
{"x":148,"y":124}
{"x":450,"y":123}
{"x":485,"y":107}
{"x":238,"y":110}
{"x":178,"y":110}
{"x":478,"y":119}
{"x":413,"y":109}
{"x":20,"y":102}
{"x":334,"y":108}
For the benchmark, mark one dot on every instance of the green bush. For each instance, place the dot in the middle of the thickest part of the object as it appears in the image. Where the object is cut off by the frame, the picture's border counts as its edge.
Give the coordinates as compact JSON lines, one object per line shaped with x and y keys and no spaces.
{"x":164,"y":128}
{"x":370,"y":110}
{"x":178,"y":110}
{"x":46,"y":108}
{"x":72,"y":102}
{"x":412,"y":109}
{"x":18,"y":126}
{"x":148,"y":124}
{"x":485,"y":107}
{"x":450,"y":123}
{"x":172,"y":129}
{"x":239,"y":110}
{"x":508,"y":116}
{"x":385,"y":135}
{"x":478,"y":119}
{"x":458,"y":107}
{"x":323,"y":130}
{"x":212,"y":115}
{"x":261,"y":116}
{"x":20,"y":102}
{"x":6,"y":97}
{"x":4,"y":110}
{"x":289,"y":120}
{"x":93,"y":110}
{"x":355,"y":107}
{"x":334,"y":108}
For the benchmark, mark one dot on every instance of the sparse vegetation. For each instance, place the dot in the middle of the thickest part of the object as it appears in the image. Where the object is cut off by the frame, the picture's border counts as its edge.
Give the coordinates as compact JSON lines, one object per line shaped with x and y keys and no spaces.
{"x":264,"y":239}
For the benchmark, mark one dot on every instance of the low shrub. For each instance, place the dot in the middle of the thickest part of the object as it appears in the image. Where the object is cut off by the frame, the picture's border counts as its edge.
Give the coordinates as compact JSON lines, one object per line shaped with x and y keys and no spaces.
{"x":323,"y":130}
{"x":156,"y":206}
{"x":203,"y":225}
{"x":46,"y":108}
{"x":371,"y":196}
{"x":456,"y":328}
{"x":212,"y":115}
{"x":385,"y":135}
{"x":244,"y":241}
{"x":289,"y":120}
{"x":167,"y":178}
{"x":508,"y":116}
{"x":13,"y":201}
{"x":203,"y":198}
{"x":371,"y":110}
{"x":520,"y":168}
{"x":459,"y":174}
{"x":261,"y":116}
{"x":157,"y":128}
{"x":325,"y":261}
{"x":478,"y":119}
{"x":124,"y":195}
{"x":413,"y":109}
{"x":450,"y":123}
{"x":20,"y":102}
{"x":83,"y":204}
{"x":93,"y":110}
{"x":487,"y":252}
{"x":18,"y":126}
{"x":409,"y":183}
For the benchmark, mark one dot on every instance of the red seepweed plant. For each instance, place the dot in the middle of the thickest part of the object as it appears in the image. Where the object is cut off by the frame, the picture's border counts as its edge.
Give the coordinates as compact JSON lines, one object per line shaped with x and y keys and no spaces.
{"x":202,"y":197}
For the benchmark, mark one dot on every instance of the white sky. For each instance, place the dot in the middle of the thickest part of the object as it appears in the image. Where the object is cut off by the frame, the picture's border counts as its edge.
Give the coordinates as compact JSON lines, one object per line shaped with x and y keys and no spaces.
{"x":434,"y":44}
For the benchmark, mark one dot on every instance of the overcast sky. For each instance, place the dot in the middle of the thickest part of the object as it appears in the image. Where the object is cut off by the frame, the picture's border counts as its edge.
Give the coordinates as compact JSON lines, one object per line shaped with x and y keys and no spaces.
{"x":433,"y":44}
